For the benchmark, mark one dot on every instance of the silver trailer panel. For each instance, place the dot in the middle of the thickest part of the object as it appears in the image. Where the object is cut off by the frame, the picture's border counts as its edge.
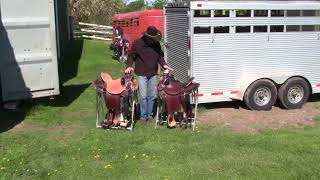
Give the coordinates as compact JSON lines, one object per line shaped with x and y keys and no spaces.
{"x":177,"y":40}
{"x":226,"y":64}
{"x":28,"y":49}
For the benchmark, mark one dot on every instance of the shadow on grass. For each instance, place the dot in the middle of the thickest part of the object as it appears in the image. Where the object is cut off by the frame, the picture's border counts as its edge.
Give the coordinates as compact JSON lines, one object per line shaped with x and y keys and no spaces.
{"x":69,"y":63}
{"x":314,"y":98}
{"x":9,"y":119}
{"x":221,"y":105}
{"x":68,"y":95}
{"x":13,"y":86}
{"x":240,"y":104}
{"x":68,"y":69}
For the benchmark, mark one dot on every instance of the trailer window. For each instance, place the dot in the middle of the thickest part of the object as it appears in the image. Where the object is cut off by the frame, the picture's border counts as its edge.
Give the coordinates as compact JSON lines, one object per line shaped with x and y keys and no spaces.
{"x":277,"y":13}
{"x":122,"y":23}
{"x":243,"y":29}
{"x":260,"y":13}
{"x":222,"y":13}
{"x":202,"y":30}
{"x":243,"y":13}
{"x":202,"y":13}
{"x":221,"y":29}
{"x":293,"y":13}
{"x":309,"y":13}
{"x":293,"y":28}
{"x":276,"y":28}
{"x":136,"y":22}
{"x":258,"y":29}
{"x":309,"y":28}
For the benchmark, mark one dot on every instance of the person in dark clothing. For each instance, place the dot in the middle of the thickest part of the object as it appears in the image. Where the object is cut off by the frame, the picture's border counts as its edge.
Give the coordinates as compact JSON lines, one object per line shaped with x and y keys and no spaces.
{"x":146,"y":54}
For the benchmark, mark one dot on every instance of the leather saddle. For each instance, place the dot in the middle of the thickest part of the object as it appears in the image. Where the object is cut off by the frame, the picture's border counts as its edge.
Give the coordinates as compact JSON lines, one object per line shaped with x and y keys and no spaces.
{"x":174,"y":87}
{"x":113,"y":86}
{"x":175,"y":95}
{"x":116,"y":93}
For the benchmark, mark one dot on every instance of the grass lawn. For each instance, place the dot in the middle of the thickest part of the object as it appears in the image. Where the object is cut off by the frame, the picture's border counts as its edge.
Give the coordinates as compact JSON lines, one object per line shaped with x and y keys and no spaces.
{"x":58,"y":139}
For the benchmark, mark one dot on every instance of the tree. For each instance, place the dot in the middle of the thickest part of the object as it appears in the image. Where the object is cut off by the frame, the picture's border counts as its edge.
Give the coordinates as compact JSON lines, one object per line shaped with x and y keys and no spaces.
{"x":158,"y":4}
{"x":134,"y":6}
{"x":95,"y":11}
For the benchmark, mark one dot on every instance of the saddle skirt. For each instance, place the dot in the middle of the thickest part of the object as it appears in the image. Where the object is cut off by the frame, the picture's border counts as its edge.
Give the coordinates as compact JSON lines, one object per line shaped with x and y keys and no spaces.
{"x":112,"y":86}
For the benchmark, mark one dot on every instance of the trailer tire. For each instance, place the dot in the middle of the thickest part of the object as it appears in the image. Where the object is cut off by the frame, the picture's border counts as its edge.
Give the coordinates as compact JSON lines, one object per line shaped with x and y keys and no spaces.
{"x":294,"y":93}
{"x":261,"y":95}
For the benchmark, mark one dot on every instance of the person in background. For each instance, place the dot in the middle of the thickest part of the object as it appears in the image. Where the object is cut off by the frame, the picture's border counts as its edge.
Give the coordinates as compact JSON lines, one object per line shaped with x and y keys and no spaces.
{"x":145,"y":55}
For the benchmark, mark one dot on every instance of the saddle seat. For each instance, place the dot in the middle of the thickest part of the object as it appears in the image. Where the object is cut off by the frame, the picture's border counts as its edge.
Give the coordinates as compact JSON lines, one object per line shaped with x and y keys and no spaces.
{"x":176,"y":87}
{"x":173,"y":89}
{"x":114,"y":87}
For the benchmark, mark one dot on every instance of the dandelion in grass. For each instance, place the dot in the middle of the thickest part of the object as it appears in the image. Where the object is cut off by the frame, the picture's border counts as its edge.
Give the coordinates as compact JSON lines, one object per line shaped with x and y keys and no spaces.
{"x":126,"y":156}
{"x":99,"y":149}
{"x":28,"y":170}
{"x":143,"y":155}
{"x":133,"y":157}
{"x":81,"y":165}
{"x":8,"y":160}
{"x":20,"y":162}
{"x":49,"y":174}
{"x":55,"y":170}
{"x":3,"y":168}
{"x":109,"y":166}
{"x":79,"y":149}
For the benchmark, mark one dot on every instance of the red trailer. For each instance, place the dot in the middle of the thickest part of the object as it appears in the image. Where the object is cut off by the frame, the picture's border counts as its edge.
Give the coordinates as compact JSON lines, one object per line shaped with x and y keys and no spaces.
{"x":135,"y":23}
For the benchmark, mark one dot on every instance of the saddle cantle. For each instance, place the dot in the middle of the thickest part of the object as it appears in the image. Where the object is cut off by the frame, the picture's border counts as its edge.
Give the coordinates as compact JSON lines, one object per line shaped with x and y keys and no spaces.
{"x":113,"y":86}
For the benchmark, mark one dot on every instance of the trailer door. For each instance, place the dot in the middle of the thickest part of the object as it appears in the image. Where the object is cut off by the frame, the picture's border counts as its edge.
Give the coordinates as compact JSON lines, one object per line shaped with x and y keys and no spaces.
{"x":176,"y":41}
{"x":28,"y":57}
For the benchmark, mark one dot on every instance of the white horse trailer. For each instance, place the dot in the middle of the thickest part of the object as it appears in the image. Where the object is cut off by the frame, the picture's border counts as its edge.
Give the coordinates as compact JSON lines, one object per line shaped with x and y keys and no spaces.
{"x":255,"y":51}
{"x":31,"y":35}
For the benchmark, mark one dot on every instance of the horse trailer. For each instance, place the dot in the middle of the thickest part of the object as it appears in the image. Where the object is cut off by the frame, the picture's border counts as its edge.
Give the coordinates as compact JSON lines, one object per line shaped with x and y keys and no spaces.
{"x":135,"y":23}
{"x":32,"y":34}
{"x":253,"y":51}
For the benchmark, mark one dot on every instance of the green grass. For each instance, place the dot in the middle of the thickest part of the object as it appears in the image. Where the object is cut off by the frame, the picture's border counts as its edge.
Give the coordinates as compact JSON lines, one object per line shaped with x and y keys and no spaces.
{"x":58,"y":140}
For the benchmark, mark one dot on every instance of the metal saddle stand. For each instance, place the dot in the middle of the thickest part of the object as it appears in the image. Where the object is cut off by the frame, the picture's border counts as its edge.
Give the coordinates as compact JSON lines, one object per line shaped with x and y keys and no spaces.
{"x":115,"y":102}
{"x":174,"y":102}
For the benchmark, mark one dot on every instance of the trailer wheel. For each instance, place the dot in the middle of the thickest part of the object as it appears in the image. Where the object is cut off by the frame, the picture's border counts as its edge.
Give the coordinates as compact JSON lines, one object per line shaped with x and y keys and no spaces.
{"x":294,"y":93}
{"x":261,"y":95}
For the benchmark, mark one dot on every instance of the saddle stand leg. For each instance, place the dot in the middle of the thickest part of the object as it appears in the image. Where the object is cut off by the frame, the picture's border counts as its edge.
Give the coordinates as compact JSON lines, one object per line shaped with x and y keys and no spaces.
{"x":132,"y":116}
{"x":195,"y":111}
{"x":98,"y":101}
{"x":157,"y":117}
{"x":99,"y":109}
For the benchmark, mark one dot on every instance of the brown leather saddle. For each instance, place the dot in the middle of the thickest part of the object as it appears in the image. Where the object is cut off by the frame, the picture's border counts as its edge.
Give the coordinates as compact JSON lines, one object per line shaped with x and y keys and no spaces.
{"x":175,"y":96}
{"x":117,"y":94}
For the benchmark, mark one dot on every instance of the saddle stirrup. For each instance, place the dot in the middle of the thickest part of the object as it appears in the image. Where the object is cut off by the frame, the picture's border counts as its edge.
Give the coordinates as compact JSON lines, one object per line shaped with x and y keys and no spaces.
{"x":171,"y":121}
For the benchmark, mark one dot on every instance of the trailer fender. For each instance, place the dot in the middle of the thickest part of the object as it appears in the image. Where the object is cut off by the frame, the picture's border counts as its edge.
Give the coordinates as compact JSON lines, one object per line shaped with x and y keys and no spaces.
{"x":247,"y":80}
